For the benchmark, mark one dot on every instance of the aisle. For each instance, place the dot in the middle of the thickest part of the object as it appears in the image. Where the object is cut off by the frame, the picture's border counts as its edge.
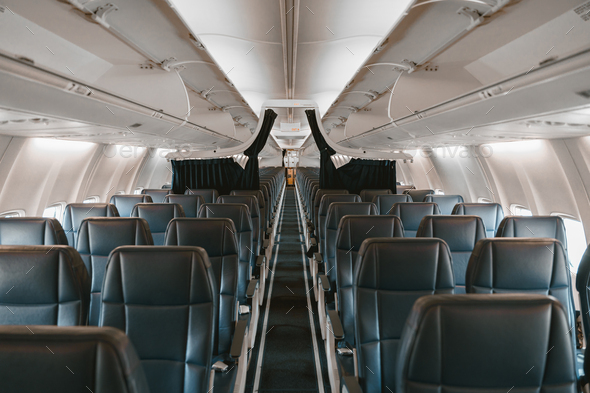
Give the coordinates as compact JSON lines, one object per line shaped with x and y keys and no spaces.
{"x":290,"y":360}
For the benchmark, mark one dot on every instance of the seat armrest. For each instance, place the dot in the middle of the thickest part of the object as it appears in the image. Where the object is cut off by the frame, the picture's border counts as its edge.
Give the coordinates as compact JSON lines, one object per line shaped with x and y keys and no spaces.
{"x":313,"y":242}
{"x":266,"y":243}
{"x":260,"y":260}
{"x":269,"y":231}
{"x":318,"y":257}
{"x":238,"y":341}
{"x":324,"y":282}
{"x":251,"y":290}
{"x":337,"y":329}
{"x":351,"y":385}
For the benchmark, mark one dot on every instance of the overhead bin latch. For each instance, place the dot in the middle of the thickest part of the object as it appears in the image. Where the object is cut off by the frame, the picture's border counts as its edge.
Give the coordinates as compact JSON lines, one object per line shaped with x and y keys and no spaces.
{"x":472,"y":14}
{"x":99,"y":16}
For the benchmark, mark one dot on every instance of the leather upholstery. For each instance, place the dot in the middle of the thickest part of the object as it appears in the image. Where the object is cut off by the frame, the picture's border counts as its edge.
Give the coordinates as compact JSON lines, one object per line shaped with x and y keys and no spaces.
{"x":31,"y":231}
{"x":209,"y":195}
{"x":76,"y":212}
{"x":446,"y":203}
{"x":521,"y":265}
{"x":369,"y":195}
{"x":384,"y":203}
{"x":317,"y":199}
{"x":240,"y":216}
{"x":165,"y":299}
{"x":352,"y":231}
{"x":402,"y":189}
{"x":190,"y":203}
{"x":418,"y":195}
{"x":336,"y":212}
{"x":490,"y":213}
{"x":536,"y":226}
{"x":252,"y":203}
{"x":158,"y":215}
{"x":391,"y":274}
{"x":216,"y":237}
{"x":125,"y":203}
{"x":157,"y":194}
{"x":461,"y":234}
{"x":43,"y":285}
{"x":96,"y":239}
{"x":315,"y":186}
{"x":486,"y":343}
{"x":264,"y":210}
{"x":583,"y":287}
{"x":101,"y":360}
{"x":412,"y":213}
{"x":325,"y":203}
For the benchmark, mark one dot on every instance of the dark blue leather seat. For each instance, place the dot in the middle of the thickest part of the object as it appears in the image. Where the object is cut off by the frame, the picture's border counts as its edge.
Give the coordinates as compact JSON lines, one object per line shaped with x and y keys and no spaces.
{"x":265,"y":215}
{"x":68,"y":360}
{"x":583,"y":287}
{"x":167,"y":301}
{"x":325,"y":204}
{"x":490,"y":213}
{"x":384,"y":203}
{"x":461,"y":234}
{"x":76,"y":212}
{"x":125,"y":203}
{"x":418,"y":195}
{"x":158,"y":215}
{"x":412,"y":213}
{"x":317,"y":199}
{"x":31,"y":231}
{"x":43,"y":285}
{"x":190,"y":203}
{"x":369,"y":195}
{"x":482,"y":344}
{"x":446,"y":203}
{"x":391,"y":274}
{"x":536,"y":226}
{"x":157,"y":194}
{"x":209,"y":195}
{"x":252,"y":203}
{"x":217,"y":237}
{"x":96,"y":239}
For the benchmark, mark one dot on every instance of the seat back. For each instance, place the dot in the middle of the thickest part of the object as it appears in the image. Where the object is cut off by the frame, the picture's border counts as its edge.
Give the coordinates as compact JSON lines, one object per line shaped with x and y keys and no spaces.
{"x":76,"y":212}
{"x":317,"y":199}
{"x":481,"y":344}
{"x":490,"y":213}
{"x":521,"y":265}
{"x":264,"y":212}
{"x":325,"y":203}
{"x":239,"y":214}
{"x":166,"y":300}
{"x":43,"y":285}
{"x":101,"y":360}
{"x":96,"y":239}
{"x":392,"y":273}
{"x":402,"y":189}
{"x":369,"y":195}
{"x":254,"y":209}
{"x":461,"y":234}
{"x":536,"y":226}
{"x":125,"y":203}
{"x":209,"y":195}
{"x":412,"y":213}
{"x":384,"y":203}
{"x":583,"y":287}
{"x":418,"y":195}
{"x":190,"y":203}
{"x":446,"y":203}
{"x":157,"y":194}
{"x":336,"y":211}
{"x":217,"y":237}
{"x":351,"y":233}
{"x":31,"y":231}
{"x":158,"y":215}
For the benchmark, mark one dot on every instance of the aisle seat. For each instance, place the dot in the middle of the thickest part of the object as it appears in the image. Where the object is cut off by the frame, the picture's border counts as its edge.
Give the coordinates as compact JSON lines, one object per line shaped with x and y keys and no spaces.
{"x":412,"y":213}
{"x":158,"y":215}
{"x":157,"y":194}
{"x":369,"y":195}
{"x":208,"y":194}
{"x":190,"y":203}
{"x":446,"y":203}
{"x":418,"y":195}
{"x":384,"y":203}
{"x":125,"y":203}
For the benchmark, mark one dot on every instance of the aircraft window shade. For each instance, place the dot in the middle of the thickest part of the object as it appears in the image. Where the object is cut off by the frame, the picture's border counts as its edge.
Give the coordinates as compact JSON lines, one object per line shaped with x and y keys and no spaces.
{"x":438,"y":191}
{"x":54,"y":211}
{"x":12,"y":213}
{"x":484,"y":200}
{"x":576,"y":241}
{"x":519,"y":210}
{"x":91,"y":199}
{"x":138,"y":191}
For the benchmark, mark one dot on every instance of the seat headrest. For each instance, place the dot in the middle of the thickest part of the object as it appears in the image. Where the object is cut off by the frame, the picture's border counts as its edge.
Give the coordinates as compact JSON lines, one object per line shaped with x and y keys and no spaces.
{"x":328,"y":199}
{"x":237,"y":212}
{"x":384,"y":203}
{"x":418,"y":195}
{"x":25,"y":231}
{"x":320,"y":192}
{"x":338,"y":210}
{"x":158,"y":215}
{"x":353,"y":230}
{"x":190,"y":203}
{"x":101,"y":360}
{"x":536,"y":226}
{"x":411,"y":214}
{"x":368,"y":195}
{"x":99,"y":236}
{"x":446,"y":203}
{"x":157,"y":194}
{"x":43,"y":285}
{"x":76,"y":212}
{"x":482,"y":344}
{"x":249,"y":200}
{"x":490,"y":213}
{"x":125,"y":203}
{"x":257,"y":193}
{"x":460,"y":232}
{"x":216,"y":235}
{"x":209,"y":195}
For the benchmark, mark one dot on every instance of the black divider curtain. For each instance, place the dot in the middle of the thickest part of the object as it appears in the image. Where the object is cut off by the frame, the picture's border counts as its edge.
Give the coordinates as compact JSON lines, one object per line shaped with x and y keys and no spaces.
{"x":223,"y":174}
{"x":355,"y":176}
